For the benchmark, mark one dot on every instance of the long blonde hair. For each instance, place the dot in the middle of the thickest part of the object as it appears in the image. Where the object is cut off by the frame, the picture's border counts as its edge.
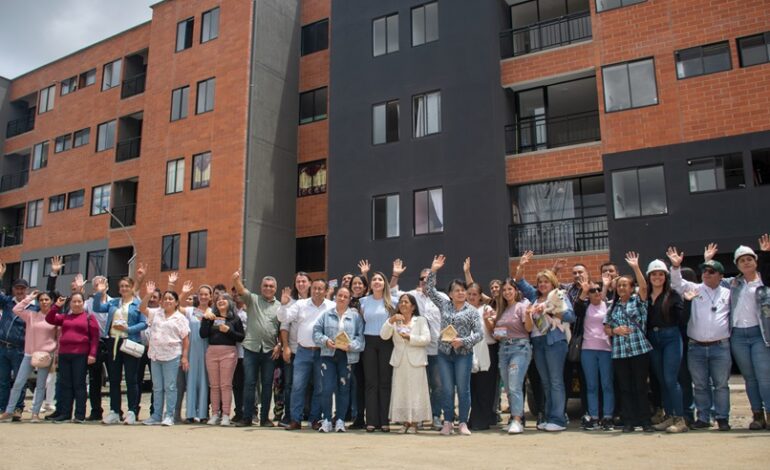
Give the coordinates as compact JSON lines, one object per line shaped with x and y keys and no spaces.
{"x":386,"y":298}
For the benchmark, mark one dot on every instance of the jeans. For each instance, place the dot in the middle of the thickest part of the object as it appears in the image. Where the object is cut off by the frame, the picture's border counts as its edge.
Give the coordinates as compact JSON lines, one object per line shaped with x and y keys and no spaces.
{"x":514,"y":360}
{"x":257,"y":364}
{"x":21,"y":380}
{"x":164,"y":375}
{"x":288,"y":381}
{"x":335,"y":375}
{"x":115,"y":364}
{"x":710,"y":365}
{"x":666,"y":357}
{"x":72,"y":380}
{"x":550,"y":366}
{"x":238,"y":389}
{"x":434,"y":385}
{"x":753,"y":359}
{"x":378,"y":375}
{"x":10,"y":361}
{"x":597,"y":368}
{"x":307,"y":364}
{"x":455,"y":370}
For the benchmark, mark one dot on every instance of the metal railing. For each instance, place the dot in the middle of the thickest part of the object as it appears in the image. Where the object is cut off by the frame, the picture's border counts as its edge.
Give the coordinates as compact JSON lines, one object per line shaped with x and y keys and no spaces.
{"x":128,"y":149}
{"x":543,"y":132}
{"x":20,"y":126}
{"x":559,"y":236}
{"x":133,"y":86}
{"x":14,"y":181}
{"x":546,"y":34}
{"x":126,"y":214}
{"x":10,"y":236}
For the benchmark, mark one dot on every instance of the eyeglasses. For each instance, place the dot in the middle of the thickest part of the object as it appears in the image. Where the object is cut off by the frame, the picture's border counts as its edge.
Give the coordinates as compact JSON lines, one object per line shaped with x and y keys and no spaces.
{"x":709,"y":271}
{"x":594,"y":290}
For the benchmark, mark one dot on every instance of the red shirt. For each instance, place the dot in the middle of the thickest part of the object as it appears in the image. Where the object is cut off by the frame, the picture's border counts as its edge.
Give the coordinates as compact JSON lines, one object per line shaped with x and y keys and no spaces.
{"x":75,"y":336}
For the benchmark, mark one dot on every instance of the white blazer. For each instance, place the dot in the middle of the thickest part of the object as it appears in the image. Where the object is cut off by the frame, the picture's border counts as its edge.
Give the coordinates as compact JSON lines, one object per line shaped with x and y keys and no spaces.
{"x":414,"y":348}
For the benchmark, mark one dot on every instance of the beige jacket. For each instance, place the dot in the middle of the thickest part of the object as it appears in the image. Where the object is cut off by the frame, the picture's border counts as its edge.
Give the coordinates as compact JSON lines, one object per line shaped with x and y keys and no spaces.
{"x":414,"y":348}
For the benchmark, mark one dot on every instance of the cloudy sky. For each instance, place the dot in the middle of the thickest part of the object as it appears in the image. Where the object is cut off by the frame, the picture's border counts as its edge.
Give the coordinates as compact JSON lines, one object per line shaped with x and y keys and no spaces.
{"x":36,"y":32}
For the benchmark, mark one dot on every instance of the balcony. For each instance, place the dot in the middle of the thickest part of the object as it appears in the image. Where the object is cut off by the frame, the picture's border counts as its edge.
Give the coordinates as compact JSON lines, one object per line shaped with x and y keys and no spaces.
{"x":125,"y":215}
{"x":559,"y":236}
{"x":20,"y":125}
{"x":541,"y":132}
{"x":11,"y":236}
{"x":128,"y":149}
{"x":546,"y":34}
{"x":133,"y":86}
{"x":129,"y":137}
{"x":14,"y":181}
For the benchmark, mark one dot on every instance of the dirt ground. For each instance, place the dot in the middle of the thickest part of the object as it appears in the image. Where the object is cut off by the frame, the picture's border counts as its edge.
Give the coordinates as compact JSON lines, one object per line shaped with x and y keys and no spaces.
{"x":84,"y":446}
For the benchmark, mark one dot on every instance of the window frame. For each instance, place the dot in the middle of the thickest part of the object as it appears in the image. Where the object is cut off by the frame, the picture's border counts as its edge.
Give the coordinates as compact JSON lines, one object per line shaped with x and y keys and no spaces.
{"x":184,"y":103}
{"x":188,"y":34}
{"x":630,"y":95}
{"x":178,"y":185}
{"x":638,"y":186}
{"x":34,"y":271}
{"x":622,"y":5}
{"x":385,"y":19}
{"x":101,"y":198}
{"x":209,"y":83}
{"x":314,"y":38}
{"x":398,"y":216}
{"x":114,"y":122}
{"x":92,"y":255}
{"x":66,"y":143}
{"x":108,"y":86}
{"x":35,"y":219}
{"x":766,"y":40}
{"x":190,"y":236}
{"x":83,"y":78}
{"x":414,"y":211}
{"x":175,"y":246}
{"x":426,"y":119}
{"x":72,"y":85}
{"x":203,"y":24}
{"x":425,"y":25}
{"x":45,"y":148}
{"x":60,"y":200}
{"x":75,"y":193}
{"x":700,"y":49}
{"x":84,"y":135}
{"x":398,"y":121}
{"x":315,"y":117}
{"x":46,"y":104}
{"x":704,"y":160}
{"x":196,"y":184}
{"x":311,"y":191}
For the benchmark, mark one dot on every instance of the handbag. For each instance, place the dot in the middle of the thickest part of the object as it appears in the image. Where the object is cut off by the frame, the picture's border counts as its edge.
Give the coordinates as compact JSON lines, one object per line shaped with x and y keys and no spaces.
{"x":41,"y":360}
{"x":574,"y":348}
{"x":132,"y":348}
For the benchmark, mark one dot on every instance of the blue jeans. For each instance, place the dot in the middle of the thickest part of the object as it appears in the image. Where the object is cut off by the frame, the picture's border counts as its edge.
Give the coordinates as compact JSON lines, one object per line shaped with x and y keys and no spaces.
{"x":164,"y":374}
{"x":597,"y":368}
{"x":10,"y":361}
{"x":257,"y":364}
{"x":666,"y":357}
{"x":455,"y":371}
{"x":335,"y":374}
{"x":21,"y":380}
{"x":753,"y":359}
{"x":513,"y":362}
{"x":434,"y":385}
{"x":710,"y":365}
{"x":306,"y":362}
{"x":115,"y":364}
{"x":550,"y":366}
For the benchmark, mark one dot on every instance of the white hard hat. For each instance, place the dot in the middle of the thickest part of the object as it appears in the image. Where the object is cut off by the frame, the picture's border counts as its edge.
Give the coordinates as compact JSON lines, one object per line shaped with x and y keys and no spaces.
{"x":657,"y":265}
{"x":743,"y":250}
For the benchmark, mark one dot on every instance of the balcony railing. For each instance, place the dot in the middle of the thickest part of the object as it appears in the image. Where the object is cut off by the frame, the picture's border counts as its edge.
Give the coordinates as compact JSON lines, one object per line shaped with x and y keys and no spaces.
{"x":546,"y":34}
{"x":128,"y":149}
{"x":13,"y":181}
{"x":126,"y":214}
{"x":543,"y":132}
{"x":20,"y":126}
{"x":559,"y":236}
{"x":10,"y":236}
{"x":133,"y":86}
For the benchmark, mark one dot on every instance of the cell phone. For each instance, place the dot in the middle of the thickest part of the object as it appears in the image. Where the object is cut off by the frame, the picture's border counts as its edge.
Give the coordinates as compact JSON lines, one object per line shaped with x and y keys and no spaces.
{"x":333,"y":283}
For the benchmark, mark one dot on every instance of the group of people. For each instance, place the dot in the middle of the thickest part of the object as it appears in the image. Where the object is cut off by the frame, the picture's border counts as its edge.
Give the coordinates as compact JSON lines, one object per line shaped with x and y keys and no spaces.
{"x":370,"y":354}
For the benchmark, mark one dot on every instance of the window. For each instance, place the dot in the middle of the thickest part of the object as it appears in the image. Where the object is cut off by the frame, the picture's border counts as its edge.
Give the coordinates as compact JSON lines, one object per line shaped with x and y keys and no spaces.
{"x":312,"y":105}
{"x":196,"y":249}
{"x":315,"y":37}
{"x":35,"y":213}
{"x":755,"y":49}
{"x":47,"y":96}
{"x":639,"y":192}
{"x":205,"y":98}
{"x":426,"y":114}
{"x":385,"y":217}
{"x":62,"y":143}
{"x":95,"y":264}
{"x":425,"y":24}
{"x":40,"y":155}
{"x":29,"y":270}
{"x":75,"y":199}
{"x":175,"y":176}
{"x":201,"y":174}
{"x":68,"y":85}
{"x":703,"y":60}
{"x":105,"y":136}
{"x":184,"y":34}
{"x":629,"y":85}
{"x":385,"y":35}
{"x":716,"y":173}
{"x":429,"y":211}
{"x":179,"y":103}
{"x":311,"y":254}
{"x":82,"y":137}
{"x":169,"y":256}
{"x":385,"y":122}
{"x":311,"y":178}
{"x":56,"y":203}
{"x":100,"y":199}
{"x":71,"y":264}
{"x":111,"y":76}
{"x":602,"y":5}
{"x":209,"y":25}
{"x":760,"y":162}
{"x":87,"y":78}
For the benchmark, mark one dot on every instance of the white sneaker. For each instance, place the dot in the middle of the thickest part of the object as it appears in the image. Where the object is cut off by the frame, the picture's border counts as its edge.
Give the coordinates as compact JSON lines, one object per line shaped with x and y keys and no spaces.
{"x":339,"y":426}
{"x":515,"y":428}
{"x":551,"y":427}
{"x":326,"y":426}
{"x":541,"y":426}
{"x":130,"y":418}
{"x":213,"y":421}
{"x":151,"y":422}
{"x":225,"y":421}
{"x":446,"y":429}
{"x":464,"y":431}
{"x":167,"y":421}
{"x":111,"y":418}
{"x":436,"y":423}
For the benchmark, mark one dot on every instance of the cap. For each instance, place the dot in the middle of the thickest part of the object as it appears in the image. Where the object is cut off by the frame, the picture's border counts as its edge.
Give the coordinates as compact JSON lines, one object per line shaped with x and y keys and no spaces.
{"x":657,"y":265}
{"x":713,"y":264}
{"x":743,"y":250}
{"x":20,"y":282}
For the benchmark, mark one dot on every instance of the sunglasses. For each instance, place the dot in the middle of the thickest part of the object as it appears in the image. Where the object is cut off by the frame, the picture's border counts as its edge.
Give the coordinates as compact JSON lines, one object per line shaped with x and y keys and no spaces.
{"x":594,"y":290}
{"x":709,"y":271}
{"x":423,"y":278}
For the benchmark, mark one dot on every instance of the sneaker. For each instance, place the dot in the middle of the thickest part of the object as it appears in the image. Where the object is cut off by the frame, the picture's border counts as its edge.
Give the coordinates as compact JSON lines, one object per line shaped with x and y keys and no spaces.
{"x":608,"y":424}
{"x":214,"y":420}
{"x":541,"y":426}
{"x":94,"y":417}
{"x":326,"y":426}
{"x":77,"y":420}
{"x":515,"y":428}
{"x":664,"y":423}
{"x":167,"y":421}
{"x":592,"y":425}
{"x":436,"y":423}
{"x":47,"y":408}
{"x":700,"y":425}
{"x":446,"y":429}
{"x":339,"y":426}
{"x":52,"y":416}
{"x":6,"y":418}
{"x":678,"y":426}
{"x":648,"y":427}
{"x":130,"y":418}
{"x":35,"y":419}
{"x":659,"y":417}
{"x":111,"y":418}
{"x":225,"y":421}
{"x":17,"y":415}
{"x":60,"y":419}
{"x":151,"y":421}
{"x":553,"y":427}
{"x":244,"y":423}
{"x":723,"y":424}
{"x":464,"y":431}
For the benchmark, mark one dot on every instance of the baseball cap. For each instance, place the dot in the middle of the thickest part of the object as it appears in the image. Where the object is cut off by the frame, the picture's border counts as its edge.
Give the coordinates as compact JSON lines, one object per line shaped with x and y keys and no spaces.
{"x":20,"y":283}
{"x":713,"y":264}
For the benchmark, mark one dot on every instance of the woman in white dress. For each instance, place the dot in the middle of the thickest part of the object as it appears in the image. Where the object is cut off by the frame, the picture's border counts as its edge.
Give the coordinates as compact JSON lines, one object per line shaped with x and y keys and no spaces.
{"x":410,"y":398}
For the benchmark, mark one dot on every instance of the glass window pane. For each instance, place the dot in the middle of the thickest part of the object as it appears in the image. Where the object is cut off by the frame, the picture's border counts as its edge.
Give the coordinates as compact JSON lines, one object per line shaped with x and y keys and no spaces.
{"x":392,"y":216}
{"x":201,"y":170}
{"x":431,"y":22}
{"x":378,"y":124}
{"x":716,"y":58}
{"x":436,"y":210}
{"x":753,"y":50}
{"x":306,"y":103}
{"x":214,"y":23}
{"x":420,"y":212}
{"x":434,"y":112}
{"x":319,"y":106}
{"x":392,"y":121}
{"x":652,"y":186}
{"x":379,"y":40}
{"x":176,"y":104}
{"x":643,"y":89}
{"x":625,"y":194}
{"x":616,"y":88}
{"x":689,"y":63}
{"x":392,"y":35}
{"x":418,"y":26}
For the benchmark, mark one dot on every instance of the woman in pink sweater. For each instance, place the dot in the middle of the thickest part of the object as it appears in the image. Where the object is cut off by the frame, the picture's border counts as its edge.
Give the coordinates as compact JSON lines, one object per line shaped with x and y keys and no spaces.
{"x":39,"y":340}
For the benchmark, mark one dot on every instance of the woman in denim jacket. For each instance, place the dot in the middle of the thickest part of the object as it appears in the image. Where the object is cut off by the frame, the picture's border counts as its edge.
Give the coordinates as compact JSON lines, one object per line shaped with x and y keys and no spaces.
{"x":337,"y":359}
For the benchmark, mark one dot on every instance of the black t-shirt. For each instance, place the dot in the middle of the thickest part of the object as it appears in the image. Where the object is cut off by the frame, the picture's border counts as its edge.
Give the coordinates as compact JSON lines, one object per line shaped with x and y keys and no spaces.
{"x":655,"y":315}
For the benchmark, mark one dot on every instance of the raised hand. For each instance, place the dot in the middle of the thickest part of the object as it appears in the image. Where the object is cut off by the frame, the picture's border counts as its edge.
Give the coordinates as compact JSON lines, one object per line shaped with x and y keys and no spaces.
{"x":237,"y":275}
{"x":585,"y":286}
{"x":60,"y":301}
{"x":31,"y":296}
{"x":187,"y":287}
{"x":80,"y":282}
{"x":173,"y":277}
{"x":467,"y":265}
{"x":438,"y":263}
{"x":710,"y":251}
{"x":764,"y":242}
{"x":150,"y":287}
{"x":632,"y":258}
{"x":398,"y":267}
{"x":675,"y":257}
{"x":690,"y":294}
{"x":364,"y":267}
{"x":559,"y":264}
{"x":100,"y":284}
{"x":285,"y":295}
{"x":606,"y":280}
{"x":56,"y":265}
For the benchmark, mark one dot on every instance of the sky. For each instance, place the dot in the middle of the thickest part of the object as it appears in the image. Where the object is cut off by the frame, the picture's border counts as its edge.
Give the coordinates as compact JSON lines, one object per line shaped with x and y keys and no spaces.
{"x":36,"y":32}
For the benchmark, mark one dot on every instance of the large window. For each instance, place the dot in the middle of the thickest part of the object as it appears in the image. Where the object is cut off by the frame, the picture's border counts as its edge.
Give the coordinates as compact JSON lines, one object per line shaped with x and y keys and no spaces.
{"x":385,"y":122}
{"x":95,"y":264}
{"x":40,"y":155}
{"x":175,"y":176}
{"x":602,"y":5}
{"x":760,"y":163}
{"x":87,"y":78}
{"x":62,"y":143}
{"x":639,"y":192}
{"x":29,"y":271}
{"x":71,"y":264}
{"x":201,"y":174}
{"x":68,"y":85}
{"x":385,"y":35}
{"x":716,"y":173}
{"x":204,"y":101}
{"x":703,"y":60}
{"x":100,"y":199}
{"x":196,"y":249}
{"x":311,"y":254}
{"x":210,"y":25}
{"x":111,"y":76}
{"x":629,"y":85}
{"x":179,"y":103}
{"x":76,"y":199}
{"x":311,"y":178}
{"x":169,"y":258}
{"x":56,"y":203}
{"x":312,"y":105}
{"x":425,"y":24}
{"x":385,"y":216}
{"x":105,"y":136}
{"x":315,"y":37}
{"x":755,"y":49}
{"x":429,"y":211}
{"x":82,"y":137}
{"x":47,"y":96}
{"x":184,"y":34}
{"x":35,"y":213}
{"x":426,"y":114}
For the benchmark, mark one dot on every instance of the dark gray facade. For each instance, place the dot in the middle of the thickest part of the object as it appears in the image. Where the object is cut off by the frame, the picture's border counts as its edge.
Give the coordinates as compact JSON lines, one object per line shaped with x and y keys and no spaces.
{"x":466,"y":158}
